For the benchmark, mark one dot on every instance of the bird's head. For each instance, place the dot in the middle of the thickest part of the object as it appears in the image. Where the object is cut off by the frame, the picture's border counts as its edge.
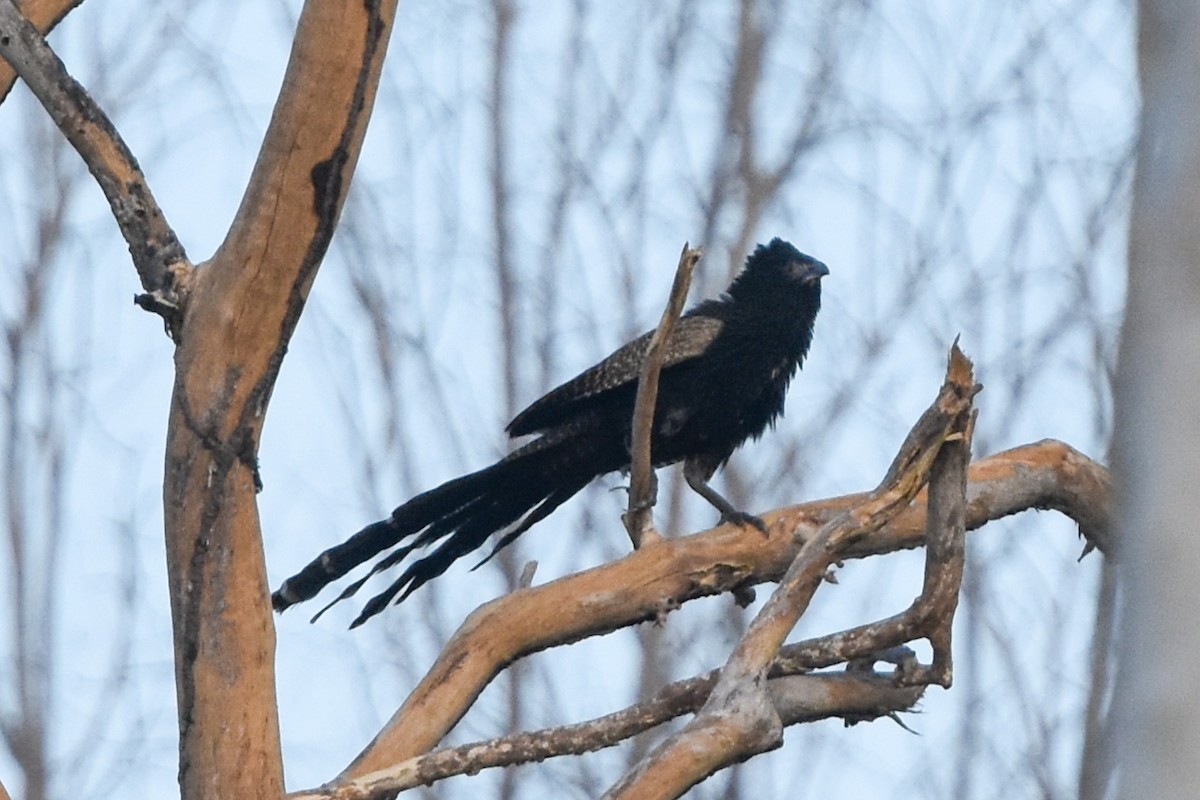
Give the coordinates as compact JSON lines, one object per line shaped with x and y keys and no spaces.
{"x":775,"y":267}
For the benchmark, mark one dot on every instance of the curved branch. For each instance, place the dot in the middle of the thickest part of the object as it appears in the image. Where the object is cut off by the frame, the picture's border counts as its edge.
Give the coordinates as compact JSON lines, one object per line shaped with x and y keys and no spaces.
{"x":660,"y":576}
{"x":796,"y":699}
{"x":158,"y":256}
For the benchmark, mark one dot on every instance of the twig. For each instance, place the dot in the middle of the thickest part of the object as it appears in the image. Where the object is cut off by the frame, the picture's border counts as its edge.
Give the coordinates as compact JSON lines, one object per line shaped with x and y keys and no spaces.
{"x":159,"y":258}
{"x":638,"y":520}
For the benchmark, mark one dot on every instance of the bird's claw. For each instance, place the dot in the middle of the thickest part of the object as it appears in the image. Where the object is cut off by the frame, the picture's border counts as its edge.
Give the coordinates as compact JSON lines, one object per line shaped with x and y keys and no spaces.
{"x":742,"y":518}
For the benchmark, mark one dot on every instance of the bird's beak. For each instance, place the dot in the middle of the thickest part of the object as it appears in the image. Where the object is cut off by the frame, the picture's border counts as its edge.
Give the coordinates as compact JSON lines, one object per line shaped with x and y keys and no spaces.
{"x":813,"y":273}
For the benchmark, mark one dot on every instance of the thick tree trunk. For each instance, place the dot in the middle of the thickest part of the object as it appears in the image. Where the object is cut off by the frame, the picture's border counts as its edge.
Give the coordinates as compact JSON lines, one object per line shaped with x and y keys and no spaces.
{"x":242,"y":309}
{"x":1158,"y":421}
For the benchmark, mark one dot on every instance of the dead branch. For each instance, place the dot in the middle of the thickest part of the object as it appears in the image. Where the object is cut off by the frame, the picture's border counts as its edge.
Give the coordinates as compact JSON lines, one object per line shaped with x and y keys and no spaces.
{"x":795,"y":698}
{"x":639,"y":521}
{"x":655,"y":579}
{"x":661,"y":576}
{"x":945,"y":550}
{"x":858,"y":695}
{"x":45,"y":16}
{"x":932,"y":613}
{"x":738,"y":719}
{"x":159,"y":258}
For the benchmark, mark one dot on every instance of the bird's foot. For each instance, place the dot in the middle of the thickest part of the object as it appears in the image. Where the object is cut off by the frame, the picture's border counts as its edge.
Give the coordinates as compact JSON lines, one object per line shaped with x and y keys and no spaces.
{"x":743,"y":596}
{"x":742,"y":518}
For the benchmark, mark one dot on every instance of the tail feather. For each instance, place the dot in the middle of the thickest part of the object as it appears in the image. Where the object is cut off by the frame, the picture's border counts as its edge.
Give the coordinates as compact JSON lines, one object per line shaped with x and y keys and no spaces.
{"x":388,"y":561}
{"x":543,"y":510}
{"x":519,"y":490}
{"x":372,"y":540}
{"x":465,"y":540}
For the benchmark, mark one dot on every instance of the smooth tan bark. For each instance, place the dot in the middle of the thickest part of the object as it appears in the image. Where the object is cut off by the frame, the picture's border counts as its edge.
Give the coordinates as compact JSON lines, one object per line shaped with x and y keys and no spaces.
{"x":240,"y":315}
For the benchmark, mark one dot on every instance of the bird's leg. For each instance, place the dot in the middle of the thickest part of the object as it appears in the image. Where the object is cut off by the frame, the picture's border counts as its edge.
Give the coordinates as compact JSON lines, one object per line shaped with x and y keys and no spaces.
{"x":697,"y":471}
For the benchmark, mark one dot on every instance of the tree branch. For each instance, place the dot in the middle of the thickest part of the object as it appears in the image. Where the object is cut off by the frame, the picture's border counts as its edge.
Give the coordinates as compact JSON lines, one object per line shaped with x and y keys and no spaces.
{"x":662,"y":575}
{"x":45,"y":16}
{"x":796,"y":699}
{"x":738,"y":720}
{"x":639,"y":521}
{"x":945,"y":548}
{"x":159,"y":258}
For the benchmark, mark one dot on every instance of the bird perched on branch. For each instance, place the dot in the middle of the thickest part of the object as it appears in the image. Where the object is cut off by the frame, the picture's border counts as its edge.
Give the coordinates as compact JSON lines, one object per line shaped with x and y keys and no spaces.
{"x":726,"y":371}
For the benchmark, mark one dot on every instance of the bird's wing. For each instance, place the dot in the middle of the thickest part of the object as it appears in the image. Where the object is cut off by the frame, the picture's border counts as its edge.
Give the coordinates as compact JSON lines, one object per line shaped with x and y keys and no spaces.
{"x":692,"y":335}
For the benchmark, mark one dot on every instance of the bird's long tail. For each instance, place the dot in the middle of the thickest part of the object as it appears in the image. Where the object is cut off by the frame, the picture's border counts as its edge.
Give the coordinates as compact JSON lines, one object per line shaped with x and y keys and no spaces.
{"x":511,"y":495}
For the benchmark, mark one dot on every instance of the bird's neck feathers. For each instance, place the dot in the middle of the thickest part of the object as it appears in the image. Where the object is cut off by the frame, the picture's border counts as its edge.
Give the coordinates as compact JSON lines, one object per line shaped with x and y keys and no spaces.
{"x":767,"y":283}
{"x":781,"y":302}
{"x":775,"y":324}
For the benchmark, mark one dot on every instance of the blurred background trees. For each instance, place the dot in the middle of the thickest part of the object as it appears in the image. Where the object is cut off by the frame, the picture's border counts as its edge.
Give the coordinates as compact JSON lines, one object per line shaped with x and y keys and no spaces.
{"x":529,"y":176}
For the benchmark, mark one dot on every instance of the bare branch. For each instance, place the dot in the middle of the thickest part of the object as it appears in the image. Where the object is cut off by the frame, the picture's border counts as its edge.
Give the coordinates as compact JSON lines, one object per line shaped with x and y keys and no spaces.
{"x":158,"y":256}
{"x":45,"y":16}
{"x":932,"y":613}
{"x":738,"y":720}
{"x":639,"y":522}
{"x":945,"y":531}
{"x":796,"y":699}
{"x":660,"y":576}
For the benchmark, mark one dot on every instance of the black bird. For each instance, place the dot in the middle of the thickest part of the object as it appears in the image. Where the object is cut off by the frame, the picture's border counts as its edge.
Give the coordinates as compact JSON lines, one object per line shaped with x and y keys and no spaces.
{"x":727,"y":368}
